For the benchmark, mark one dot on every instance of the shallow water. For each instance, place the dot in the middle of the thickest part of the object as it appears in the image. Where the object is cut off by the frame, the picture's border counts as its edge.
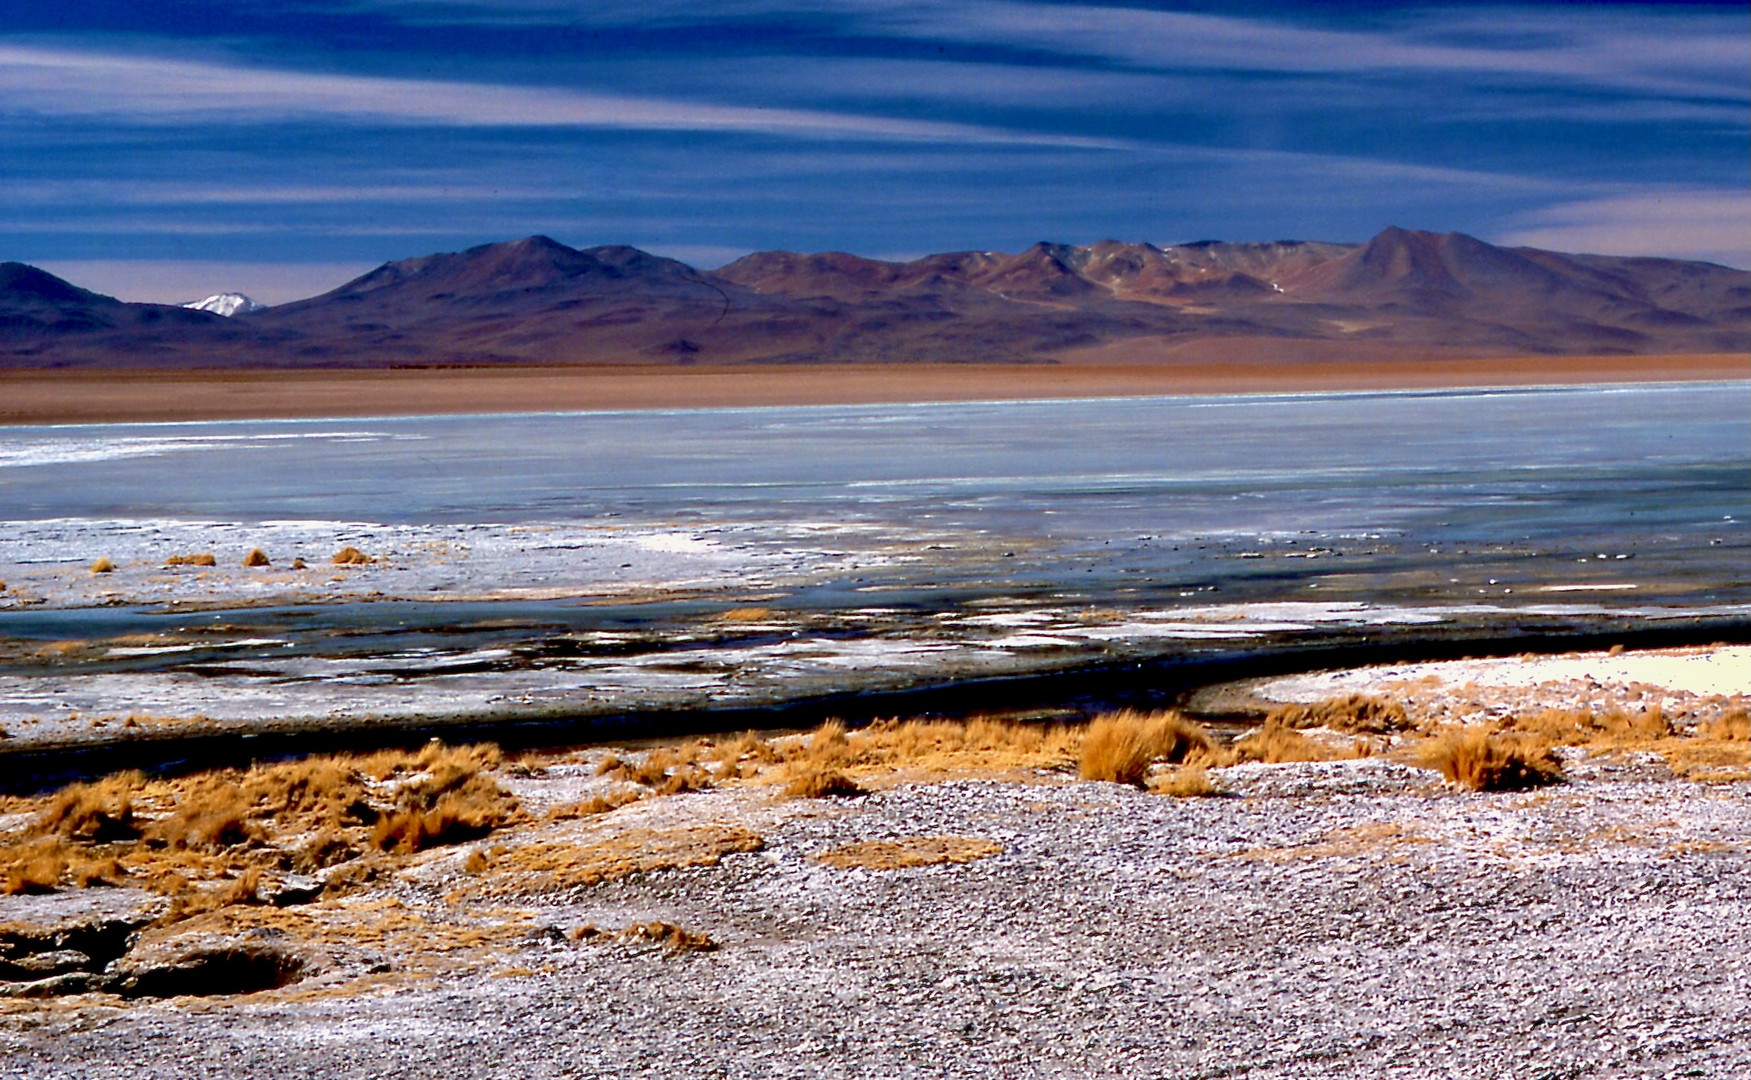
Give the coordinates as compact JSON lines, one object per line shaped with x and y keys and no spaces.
{"x":585,"y":561}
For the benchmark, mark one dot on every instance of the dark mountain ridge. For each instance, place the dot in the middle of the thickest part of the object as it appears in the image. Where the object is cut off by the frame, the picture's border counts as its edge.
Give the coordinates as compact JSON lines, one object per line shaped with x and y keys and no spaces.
{"x":536,"y":300}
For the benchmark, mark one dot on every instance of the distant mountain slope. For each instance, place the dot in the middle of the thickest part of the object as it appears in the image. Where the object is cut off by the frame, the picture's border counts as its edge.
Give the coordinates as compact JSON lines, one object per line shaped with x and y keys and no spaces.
{"x":46,"y":322}
{"x":536,"y":300}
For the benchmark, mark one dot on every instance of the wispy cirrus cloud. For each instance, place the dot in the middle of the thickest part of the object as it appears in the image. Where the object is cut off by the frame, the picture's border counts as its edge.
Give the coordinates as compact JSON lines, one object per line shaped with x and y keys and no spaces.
{"x":379,"y":128}
{"x":1636,"y":48}
{"x":1686,"y":224}
{"x":73,"y":82}
{"x":1639,"y":51}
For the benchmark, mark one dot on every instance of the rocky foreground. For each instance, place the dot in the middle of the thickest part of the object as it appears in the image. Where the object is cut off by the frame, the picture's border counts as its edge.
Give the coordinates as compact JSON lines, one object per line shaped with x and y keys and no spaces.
{"x":976,"y":911}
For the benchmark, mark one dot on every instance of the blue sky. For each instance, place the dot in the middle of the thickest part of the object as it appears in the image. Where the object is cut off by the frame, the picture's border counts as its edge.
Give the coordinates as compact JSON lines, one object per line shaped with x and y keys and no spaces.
{"x":168,"y":149}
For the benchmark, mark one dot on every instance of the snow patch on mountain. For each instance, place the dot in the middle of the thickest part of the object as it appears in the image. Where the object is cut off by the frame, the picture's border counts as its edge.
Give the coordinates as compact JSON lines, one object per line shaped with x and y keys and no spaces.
{"x":226,"y":304}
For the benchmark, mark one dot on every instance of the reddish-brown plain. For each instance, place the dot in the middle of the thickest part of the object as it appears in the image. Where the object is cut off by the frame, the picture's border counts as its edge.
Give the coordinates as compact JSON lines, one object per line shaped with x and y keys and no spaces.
{"x":87,"y":396}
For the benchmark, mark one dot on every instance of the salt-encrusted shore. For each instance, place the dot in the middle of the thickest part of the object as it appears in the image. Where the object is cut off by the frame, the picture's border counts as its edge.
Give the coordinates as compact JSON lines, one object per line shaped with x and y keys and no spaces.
{"x":1689,"y":684}
{"x":1354,"y":918}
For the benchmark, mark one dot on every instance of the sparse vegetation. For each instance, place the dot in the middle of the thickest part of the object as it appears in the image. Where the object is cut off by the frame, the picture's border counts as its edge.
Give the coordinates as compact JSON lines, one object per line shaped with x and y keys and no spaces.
{"x":1733,"y":726}
{"x":1581,"y":727}
{"x":1121,"y":746}
{"x":1185,"y":782}
{"x":103,"y":565}
{"x":1275,"y":743}
{"x":812,"y":780}
{"x":747,"y":615}
{"x":256,"y":557}
{"x":673,"y":938}
{"x":200,"y":837}
{"x":910,"y":851}
{"x":557,"y":865}
{"x":594,"y":805}
{"x":1354,"y":714}
{"x":831,"y":759}
{"x":1483,"y":760}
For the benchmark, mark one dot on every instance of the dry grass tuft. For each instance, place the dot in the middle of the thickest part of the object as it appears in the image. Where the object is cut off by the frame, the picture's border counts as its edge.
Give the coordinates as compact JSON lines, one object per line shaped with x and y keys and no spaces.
{"x":555,"y":866}
{"x":594,"y":805}
{"x":199,"y":558}
{"x":103,"y":565}
{"x":451,"y":802}
{"x":1356,"y":714}
{"x":1734,"y":726}
{"x":666,"y":770}
{"x":747,"y":615}
{"x":1276,"y":743}
{"x":833,"y":760}
{"x":208,"y":839}
{"x":910,"y":851}
{"x":350,"y":556}
{"x":673,"y":938}
{"x":95,"y":813}
{"x":1121,"y":746}
{"x":813,"y":780}
{"x":827,"y":747}
{"x":1185,"y":782}
{"x":256,"y":557}
{"x":1483,"y":760}
{"x":42,"y":865}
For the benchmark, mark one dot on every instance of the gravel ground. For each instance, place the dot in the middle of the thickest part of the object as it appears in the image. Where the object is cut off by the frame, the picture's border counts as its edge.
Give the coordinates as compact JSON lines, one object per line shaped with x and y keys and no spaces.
{"x":1339,"y":919}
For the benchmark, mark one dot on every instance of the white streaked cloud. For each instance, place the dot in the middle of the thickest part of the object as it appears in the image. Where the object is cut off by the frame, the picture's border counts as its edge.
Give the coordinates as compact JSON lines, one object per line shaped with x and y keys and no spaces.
{"x":1642,"y":52}
{"x":71,"y":82}
{"x":185,"y":193}
{"x":1685,"y":224}
{"x":1680,"y":53}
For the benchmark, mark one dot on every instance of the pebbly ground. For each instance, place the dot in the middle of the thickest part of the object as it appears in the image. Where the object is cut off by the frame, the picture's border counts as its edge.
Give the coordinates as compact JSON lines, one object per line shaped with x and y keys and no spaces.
{"x":1341,"y":919}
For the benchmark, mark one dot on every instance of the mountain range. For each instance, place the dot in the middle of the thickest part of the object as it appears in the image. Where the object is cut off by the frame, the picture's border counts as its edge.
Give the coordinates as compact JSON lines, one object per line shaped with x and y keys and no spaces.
{"x":1403,"y":293}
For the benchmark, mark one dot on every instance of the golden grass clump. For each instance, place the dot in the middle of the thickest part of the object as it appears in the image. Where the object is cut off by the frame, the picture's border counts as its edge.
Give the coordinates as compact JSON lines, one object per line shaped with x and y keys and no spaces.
{"x":594,"y":805}
{"x":666,"y":770}
{"x":43,"y":864}
{"x":256,"y":557}
{"x":556,"y":866}
{"x":1354,"y":714}
{"x":814,"y":780}
{"x":103,"y":565}
{"x":1579,"y":727}
{"x":673,"y":938}
{"x":1483,"y":760}
{"x":827,"y":746}
{"x":451,"y":802}
{"x":909,"y":851}
{"x":1121,"y":746}
{"x":199,"y":558}
{"x":95,"y":813}
{"x":350,"y":556}
{"x":977,"y":745}
{"x":1276,"y":743}
{"x":1733,"y":726}
{"x":747,"y":615}
{"x":742,"y":756}
{"x":1185,"y":782}
{"x":831,"y":760}
{"x":201,"y":836}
